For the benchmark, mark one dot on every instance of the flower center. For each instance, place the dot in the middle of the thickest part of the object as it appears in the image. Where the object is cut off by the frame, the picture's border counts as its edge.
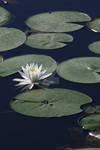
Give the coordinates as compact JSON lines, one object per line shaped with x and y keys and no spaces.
{"x":33,"y":69}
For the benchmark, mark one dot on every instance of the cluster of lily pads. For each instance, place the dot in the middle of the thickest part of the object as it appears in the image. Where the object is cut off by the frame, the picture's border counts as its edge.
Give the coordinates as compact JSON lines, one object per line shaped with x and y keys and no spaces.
{"x":48,"y":31}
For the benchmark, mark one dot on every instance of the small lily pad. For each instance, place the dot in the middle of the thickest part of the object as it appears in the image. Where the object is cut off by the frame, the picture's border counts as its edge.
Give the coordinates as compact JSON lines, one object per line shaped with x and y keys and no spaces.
{"x":82,"y":70}
{"x":49,"y":102}
{"x":4,"y":16}
{"x":91,"y":121}
{"x":13,"y":65}
{"x":58,"y":21}
{"x":48,"y":40}
{"x":94,"y":25}
{"x":11,"y":38}
{"x":95,"y":47}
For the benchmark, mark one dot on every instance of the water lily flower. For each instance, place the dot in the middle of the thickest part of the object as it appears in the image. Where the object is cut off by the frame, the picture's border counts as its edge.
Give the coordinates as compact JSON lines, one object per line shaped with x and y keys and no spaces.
{"x":31,"y":75}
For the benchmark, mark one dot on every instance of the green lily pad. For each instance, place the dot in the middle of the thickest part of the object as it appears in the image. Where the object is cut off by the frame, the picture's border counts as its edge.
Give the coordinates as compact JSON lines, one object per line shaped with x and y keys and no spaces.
{"x":94,"y":25}
{"x":13,"y":65}
{"x":95,"y":47}
{"x":91,"y":121}
{"x":11,"y":38}
{"x":48,"y":40}
{"x":58,"y":21}
{"x":49,"y":102}
{"x":82,"y":70}
{"x":4,"y":16}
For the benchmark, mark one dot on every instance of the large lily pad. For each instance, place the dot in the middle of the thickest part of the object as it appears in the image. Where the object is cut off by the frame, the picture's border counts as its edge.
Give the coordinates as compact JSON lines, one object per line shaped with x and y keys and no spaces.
{"x":48,"y":40}
{"x":58,"y":21}
{"x":49,"y":102}
{"x":4,"y":16}
{"x":13,"y":65}
{"x":91,"y":121}
{"x":95,"y":47}
{"x":82,"y":70}
{"x":94,"y":25}
{"x":11,"y":38}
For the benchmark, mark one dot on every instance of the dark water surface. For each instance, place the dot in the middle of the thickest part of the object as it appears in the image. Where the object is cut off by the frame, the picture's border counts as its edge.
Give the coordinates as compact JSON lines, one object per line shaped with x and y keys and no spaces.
{"x":20,"y":132}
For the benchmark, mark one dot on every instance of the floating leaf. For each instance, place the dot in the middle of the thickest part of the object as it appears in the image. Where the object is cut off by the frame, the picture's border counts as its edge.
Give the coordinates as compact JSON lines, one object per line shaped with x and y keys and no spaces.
{"x":11,"y":38}
{"x":49,"y":102}
{"x":4,"y":16}
{"x":82,"y":70}
{"x":13,"y":65}
{"x":95,"y":47}
{"x":58,"y":21}
{"x":91,"y":121}
{"x":94,"y":25}
{"x":48,"y":40}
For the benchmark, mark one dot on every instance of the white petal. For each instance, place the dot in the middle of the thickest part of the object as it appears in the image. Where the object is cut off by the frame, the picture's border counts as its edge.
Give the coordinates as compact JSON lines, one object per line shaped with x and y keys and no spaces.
{"x":23,"y":75}
{"x":19,"y":80}
{"x":36,"y":66}
{"x":27,"y":66}
{"x":22,"y":83}
{"x":43,"y":72}
{"x":31,"y":86}
{"x":40,"y":68}
{"x":45,"y":76}
{"x":28,"y":81}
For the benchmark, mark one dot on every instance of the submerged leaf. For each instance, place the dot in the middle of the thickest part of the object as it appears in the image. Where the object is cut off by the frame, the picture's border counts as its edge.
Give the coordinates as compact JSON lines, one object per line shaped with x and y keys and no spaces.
{"x":49,"y":102}
{"x":58,"y":21}
{"x":13,"y":65}
{"x":82,"y":70}
{"x":4,"y":16}
{"x":48,"y":40}
{"x":11,"y":38}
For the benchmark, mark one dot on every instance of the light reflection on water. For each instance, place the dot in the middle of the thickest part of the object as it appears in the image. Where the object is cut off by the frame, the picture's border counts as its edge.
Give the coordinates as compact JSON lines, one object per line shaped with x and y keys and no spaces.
{"x":23,"y":132}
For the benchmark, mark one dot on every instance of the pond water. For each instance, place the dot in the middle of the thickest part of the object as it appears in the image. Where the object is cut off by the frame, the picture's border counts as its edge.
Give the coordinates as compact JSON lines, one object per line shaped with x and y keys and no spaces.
{"x":21,"y":132}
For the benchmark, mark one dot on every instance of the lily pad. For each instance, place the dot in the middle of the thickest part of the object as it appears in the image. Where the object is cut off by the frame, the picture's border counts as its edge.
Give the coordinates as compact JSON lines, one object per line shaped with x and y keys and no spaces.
{"x":58,"y":21}
{"x":82,"y":70}
{"x":13,"y":65}
{"x":95,"y":47}
{"x":94,"y":25}
{"x":48,"y":40}
{"x":49,"y":102}
{"x":91,"y":121}
{"x":11,"y":38}
{"x":4,"y":16}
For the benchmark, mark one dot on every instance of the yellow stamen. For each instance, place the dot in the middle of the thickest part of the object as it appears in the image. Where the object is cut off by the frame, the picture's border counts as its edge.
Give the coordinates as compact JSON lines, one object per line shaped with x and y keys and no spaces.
{"x":33,"y":69}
